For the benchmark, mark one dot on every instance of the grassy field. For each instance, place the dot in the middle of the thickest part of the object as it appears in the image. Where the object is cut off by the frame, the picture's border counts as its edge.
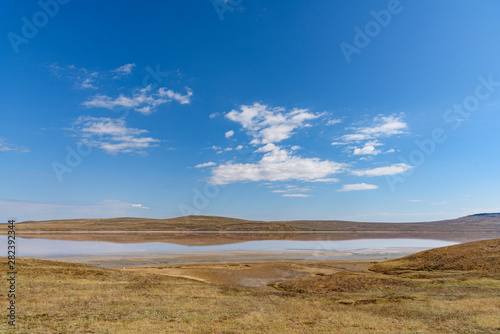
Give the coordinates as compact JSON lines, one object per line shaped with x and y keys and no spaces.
{"x":430,"y":292}
{"x":474,"y":223}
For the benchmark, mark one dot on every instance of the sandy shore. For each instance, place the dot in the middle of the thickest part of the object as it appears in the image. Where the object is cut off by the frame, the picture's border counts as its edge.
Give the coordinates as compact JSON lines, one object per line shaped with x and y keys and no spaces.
{"x":240,"y":268}
{"x":151,"y":259}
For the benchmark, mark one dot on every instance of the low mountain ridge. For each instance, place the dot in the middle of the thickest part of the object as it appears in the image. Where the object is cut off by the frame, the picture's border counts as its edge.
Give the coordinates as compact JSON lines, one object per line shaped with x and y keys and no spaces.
{"x":487,"y":222}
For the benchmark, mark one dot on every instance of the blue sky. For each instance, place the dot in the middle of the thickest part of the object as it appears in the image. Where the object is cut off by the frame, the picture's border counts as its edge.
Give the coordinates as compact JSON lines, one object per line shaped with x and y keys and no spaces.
{"x":359,"y":110}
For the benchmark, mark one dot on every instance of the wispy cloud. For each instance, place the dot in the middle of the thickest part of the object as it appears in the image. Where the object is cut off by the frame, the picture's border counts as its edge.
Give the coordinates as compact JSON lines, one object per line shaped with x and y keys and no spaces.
{"x":357,"y":186}
{"x":229,"y":134}
{"x":383,"y":126}
{"x":140,"y":206}
{"x":325,"y":180}
{"x":381,"y":171}
{"x":112,"y":135}
{"x":144,"y":100}
{"x":123,"y":70}
{"x":291,"y":191}
{"x":334,"y":121}
{"x":6,"y":146}
{"x":206,"y":164}
{"x":84,"y":78}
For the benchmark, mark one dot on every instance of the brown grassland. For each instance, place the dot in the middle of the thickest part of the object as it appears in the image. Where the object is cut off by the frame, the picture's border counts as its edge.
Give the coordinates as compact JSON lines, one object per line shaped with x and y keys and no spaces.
{"x":475,"y":223}
{"x":448,"y":290}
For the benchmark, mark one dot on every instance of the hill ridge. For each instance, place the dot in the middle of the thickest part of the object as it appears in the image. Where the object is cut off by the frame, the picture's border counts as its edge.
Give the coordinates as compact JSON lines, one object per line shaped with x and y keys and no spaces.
{"x":487,"y":222}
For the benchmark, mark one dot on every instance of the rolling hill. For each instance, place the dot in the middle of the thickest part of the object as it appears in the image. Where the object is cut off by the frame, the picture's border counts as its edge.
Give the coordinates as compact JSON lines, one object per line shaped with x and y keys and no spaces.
{"x":475,"y":223}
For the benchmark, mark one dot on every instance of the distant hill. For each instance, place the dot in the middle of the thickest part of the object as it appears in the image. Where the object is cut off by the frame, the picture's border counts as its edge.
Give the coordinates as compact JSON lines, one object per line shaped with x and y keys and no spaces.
{"x":472,"y":256}
{"x":488,"y":222}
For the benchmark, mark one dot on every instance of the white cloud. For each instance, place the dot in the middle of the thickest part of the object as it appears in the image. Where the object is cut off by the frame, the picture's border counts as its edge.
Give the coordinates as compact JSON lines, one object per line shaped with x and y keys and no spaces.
{"x":416,"y":200}
{"x":267,"y":148}
{"x":89,"y":81}
{"x":334,"y":121}
{"x":326,"y":180}
{"x":6,"y":146}
{"x":206,"y":164}
{"x":380,"y":171}
{"x":182,"y":99}
{"x":213,"y":115}
{"x":355,"y":137}
{"x":144,"y":100}
{"x":357,"y":186}
{"x":270,"y":125}
{"x":276,"y":165}
{"x":140,"y":206}
{"x":123,"y":70}
{"x":112,"y":135}
{"x":368,"y":149}
{"x":383,"y":126}
{"x":239,"y":147}
{"x":292,"y":191}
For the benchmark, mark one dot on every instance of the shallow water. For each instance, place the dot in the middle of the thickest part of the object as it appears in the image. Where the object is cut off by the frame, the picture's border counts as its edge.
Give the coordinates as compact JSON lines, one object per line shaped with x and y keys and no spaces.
{"x":46,"y":247}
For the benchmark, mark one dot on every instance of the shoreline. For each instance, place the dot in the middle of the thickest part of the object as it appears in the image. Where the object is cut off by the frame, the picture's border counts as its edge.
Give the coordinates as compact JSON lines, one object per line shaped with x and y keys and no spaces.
{"x":218,"y":257}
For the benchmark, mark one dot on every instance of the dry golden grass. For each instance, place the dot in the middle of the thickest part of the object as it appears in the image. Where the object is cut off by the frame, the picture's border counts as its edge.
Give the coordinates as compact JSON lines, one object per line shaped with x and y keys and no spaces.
{"x":70,"y":298}
{"x":342,"y":282}
{"x":481,"y":256}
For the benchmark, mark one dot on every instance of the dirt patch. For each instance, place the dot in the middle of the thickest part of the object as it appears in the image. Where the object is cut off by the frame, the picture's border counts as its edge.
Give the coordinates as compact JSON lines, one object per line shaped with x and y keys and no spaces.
{"x":254,"y":274}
